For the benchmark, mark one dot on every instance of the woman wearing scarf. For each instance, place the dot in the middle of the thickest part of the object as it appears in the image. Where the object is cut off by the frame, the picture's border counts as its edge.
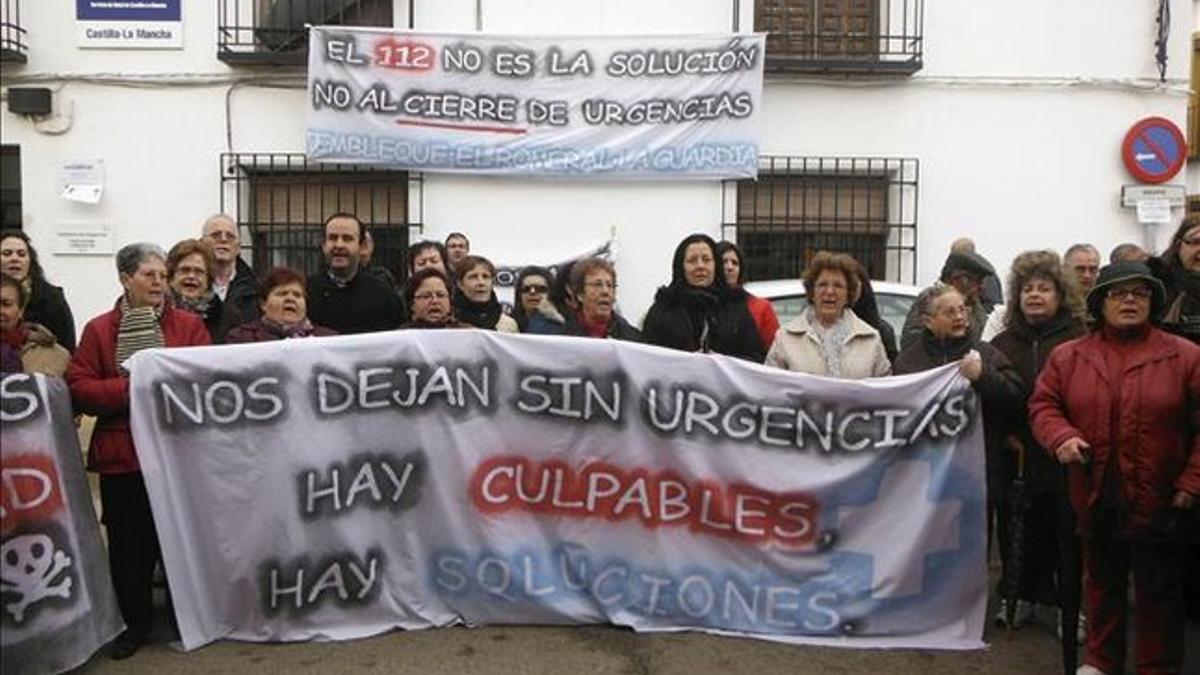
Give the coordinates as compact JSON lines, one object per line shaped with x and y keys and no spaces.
{"x":99,"y":384}
{"x":475,"y":301}
{"x":46,"y":305}
{"x":26,"y":347}
{"x":828,"y":338}
{"x":190,"y":268}
{"x":1045,"y":312}
{"x":698,"y":312}
{"x":593,"y":283}
{"x":283,"y":311}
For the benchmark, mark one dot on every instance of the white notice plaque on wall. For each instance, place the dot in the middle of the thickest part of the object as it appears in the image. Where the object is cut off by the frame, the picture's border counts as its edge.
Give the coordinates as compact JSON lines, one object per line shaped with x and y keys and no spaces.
{"x":83,"y":239}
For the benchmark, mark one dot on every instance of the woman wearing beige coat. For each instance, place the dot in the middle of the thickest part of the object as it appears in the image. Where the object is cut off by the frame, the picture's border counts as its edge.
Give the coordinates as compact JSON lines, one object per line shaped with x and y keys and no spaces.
{"x":828,"y":339}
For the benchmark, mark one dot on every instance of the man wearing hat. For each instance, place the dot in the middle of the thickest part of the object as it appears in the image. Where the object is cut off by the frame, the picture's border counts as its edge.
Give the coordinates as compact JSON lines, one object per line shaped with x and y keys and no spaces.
{"x":1120,"y":409}
{"x":965,"y":271}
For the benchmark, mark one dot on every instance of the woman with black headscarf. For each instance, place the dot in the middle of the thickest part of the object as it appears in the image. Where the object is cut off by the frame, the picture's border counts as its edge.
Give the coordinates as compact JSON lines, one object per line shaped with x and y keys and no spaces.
{"x":698,"y":312}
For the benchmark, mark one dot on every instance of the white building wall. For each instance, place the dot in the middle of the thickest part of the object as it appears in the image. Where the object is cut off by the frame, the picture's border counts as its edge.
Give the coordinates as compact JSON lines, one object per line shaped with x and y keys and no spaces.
{"x":1016,"y":119}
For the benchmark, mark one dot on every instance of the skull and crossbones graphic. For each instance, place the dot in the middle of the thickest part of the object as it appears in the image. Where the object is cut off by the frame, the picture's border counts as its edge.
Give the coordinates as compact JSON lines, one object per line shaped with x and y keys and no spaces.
{"x":28,"y":566}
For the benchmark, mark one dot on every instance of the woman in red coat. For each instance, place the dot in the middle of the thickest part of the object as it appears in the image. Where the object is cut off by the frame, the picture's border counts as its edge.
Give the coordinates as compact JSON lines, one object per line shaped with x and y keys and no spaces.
{"x":761,"y":310}
{"x":99,"y":386}
{"x":1120,"y":408}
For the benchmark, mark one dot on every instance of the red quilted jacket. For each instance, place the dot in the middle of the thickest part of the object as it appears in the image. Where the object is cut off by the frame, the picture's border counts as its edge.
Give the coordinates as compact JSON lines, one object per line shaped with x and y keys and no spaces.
{"x":98,"y":387}
{"x":1157,"y":437}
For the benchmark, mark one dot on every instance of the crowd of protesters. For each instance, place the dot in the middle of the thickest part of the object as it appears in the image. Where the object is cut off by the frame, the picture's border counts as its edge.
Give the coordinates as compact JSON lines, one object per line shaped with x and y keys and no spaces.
{"x":1088,"y":377}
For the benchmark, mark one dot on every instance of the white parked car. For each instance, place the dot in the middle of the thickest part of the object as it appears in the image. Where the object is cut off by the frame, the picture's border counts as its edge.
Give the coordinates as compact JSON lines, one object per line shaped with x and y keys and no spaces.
{"x":787,"y":297}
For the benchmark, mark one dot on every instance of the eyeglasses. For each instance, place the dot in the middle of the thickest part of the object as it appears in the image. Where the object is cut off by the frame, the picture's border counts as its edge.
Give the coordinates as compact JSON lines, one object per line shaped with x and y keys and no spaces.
{"x":432,"y":295}
{"x":602,"y":284}
{"x":189,"y":271}
{"x":534,"y":288}
{"x":1138,"y":293}
{"x":221,"y":236}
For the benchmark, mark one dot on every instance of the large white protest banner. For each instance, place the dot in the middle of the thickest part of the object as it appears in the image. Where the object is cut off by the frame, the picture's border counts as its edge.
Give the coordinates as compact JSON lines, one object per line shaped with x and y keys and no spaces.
{"x":56,"y":600}
{"x":667,"y":106}
{"x":340,"y":487}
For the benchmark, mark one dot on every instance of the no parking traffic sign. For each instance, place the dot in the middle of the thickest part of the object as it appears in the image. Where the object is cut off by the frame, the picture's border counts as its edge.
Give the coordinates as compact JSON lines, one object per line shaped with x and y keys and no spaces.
{"x":1154,"y":150}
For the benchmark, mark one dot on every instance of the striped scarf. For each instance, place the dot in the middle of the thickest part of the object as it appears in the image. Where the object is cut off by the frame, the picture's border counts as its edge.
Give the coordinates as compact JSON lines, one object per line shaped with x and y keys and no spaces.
{"x":140,"y":329}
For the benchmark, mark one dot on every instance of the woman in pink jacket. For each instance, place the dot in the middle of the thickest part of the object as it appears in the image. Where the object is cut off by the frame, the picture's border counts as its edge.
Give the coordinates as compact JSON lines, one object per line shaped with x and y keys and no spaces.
{"x":1120,"y":408}
{"x":99,"y":386}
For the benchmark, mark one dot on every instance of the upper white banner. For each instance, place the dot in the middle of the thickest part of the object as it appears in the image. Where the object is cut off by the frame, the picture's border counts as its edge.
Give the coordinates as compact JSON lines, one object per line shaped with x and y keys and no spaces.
{"x":340,"y":487}
{"x":666,"y":106}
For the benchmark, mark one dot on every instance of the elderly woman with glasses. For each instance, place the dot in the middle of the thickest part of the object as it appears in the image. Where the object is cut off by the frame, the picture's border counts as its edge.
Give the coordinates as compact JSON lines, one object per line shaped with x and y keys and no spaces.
{"x":99,"y":384}
{"x":829,"y":339}
{"x":283,"y":306}
{"x":1120,"y":408}
{"x":191,"y":265}
{"x":948,"y":338}
{"x":427,"y":295}
{"x":592,"y":282}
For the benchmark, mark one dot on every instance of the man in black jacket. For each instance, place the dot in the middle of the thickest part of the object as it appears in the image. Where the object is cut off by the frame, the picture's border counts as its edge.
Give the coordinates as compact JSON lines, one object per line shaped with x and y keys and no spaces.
{"x":338,"y":296}
{"x":233,"y":280}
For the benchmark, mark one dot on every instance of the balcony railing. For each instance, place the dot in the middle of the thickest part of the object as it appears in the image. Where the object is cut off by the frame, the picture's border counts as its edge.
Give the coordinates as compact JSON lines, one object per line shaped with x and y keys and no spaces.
{"x":272,"y":32}
{"x":12,"y":34}
{"x":845,"y":36}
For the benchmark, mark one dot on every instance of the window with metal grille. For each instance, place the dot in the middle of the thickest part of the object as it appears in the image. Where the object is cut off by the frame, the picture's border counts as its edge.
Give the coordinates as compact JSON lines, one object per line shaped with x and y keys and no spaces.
{"x":864,"y":206}
{"x":12,"y":34}
{"x":273,"y":31}
{"x":842,"y":35}
{"x":281,"y":201}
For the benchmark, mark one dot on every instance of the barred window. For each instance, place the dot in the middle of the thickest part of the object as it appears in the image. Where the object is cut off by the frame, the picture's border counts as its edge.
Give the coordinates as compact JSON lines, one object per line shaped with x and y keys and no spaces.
{"x":841,"y":35}
{"x":274,"y":31}
{"x":281,"y":201}
{"x":866,"y":207}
